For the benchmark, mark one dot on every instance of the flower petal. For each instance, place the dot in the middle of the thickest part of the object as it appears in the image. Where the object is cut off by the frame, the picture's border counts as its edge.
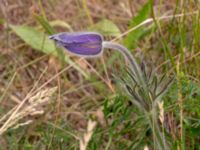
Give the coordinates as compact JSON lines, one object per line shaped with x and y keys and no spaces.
{"x":84,"y":49}
{"x":81,"y":43}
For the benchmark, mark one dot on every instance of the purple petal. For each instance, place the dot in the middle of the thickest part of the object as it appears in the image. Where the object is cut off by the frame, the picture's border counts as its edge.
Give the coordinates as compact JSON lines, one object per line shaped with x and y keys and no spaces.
{"x":81,"y":43}
{"x":86,"y":49}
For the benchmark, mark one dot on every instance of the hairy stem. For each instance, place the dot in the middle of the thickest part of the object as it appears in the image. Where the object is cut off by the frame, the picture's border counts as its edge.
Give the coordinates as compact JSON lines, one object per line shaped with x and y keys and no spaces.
{"x":129,"y":57}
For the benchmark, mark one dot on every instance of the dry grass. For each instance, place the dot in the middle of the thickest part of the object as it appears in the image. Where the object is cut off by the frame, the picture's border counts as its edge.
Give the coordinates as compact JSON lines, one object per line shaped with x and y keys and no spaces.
{"x":31,"y":106}
{"x":28,"y":65}
{"x":88,"y":135}
{"x":77,"y":99}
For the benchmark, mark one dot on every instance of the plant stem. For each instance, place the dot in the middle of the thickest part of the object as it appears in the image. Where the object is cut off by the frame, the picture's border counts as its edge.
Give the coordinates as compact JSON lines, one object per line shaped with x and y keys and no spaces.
{"x":152,"y":115}
{"x":129,"y":57}
{"x":157,"y":133}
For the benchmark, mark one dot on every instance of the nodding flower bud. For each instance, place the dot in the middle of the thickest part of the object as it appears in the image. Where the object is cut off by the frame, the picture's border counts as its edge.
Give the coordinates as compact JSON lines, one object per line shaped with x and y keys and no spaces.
{"x":80,"y":43}
{"x":89,"y":44}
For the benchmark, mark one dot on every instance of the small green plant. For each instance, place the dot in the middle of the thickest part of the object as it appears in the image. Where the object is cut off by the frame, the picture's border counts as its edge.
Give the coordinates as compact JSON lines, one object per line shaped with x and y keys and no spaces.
{"x":147,"y":99}
{"x":146,"y":89}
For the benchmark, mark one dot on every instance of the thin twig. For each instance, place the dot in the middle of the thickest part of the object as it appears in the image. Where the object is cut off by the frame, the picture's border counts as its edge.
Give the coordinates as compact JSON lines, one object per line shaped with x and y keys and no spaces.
{"x":149,"y":20}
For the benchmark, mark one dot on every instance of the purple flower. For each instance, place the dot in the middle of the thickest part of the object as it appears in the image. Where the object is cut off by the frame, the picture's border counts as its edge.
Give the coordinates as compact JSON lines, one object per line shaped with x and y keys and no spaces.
{"x":80,"y":43}
{"x":91,"y":44}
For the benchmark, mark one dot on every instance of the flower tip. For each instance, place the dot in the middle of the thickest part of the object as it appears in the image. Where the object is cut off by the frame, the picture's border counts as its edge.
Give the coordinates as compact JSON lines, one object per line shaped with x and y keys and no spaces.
{"x":51,"y":37}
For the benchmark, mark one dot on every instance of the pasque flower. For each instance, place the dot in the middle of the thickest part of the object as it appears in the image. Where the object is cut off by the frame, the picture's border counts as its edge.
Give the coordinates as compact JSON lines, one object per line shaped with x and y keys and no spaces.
{"x":80,"y":43}
{"x":89,"y":44}
{"x":146,"y":89}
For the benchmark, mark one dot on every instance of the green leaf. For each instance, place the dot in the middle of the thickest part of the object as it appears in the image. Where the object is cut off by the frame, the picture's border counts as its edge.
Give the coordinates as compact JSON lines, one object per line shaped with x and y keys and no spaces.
{"x":35,"y":39}
{"x":106,"y":27}
{"x":133,"y":37}
{"x":39,"y":41}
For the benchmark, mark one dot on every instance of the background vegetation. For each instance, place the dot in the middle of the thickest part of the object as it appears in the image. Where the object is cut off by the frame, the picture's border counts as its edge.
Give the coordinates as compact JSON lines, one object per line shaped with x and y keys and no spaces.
{"x":51,"y":100}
